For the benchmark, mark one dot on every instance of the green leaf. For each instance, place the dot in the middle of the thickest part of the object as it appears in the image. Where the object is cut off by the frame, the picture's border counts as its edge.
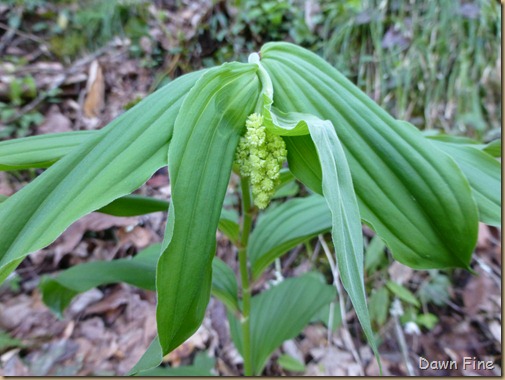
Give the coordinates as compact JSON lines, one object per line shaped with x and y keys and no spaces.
{"x":151,"y":359}
{"x":427,"y":320}
{"x":138,"y":271}
{"x":200,"y":159}
{"x":435,"y":290}
{"x":413,"y":196}
{"x":281,"y":313}
{"x":224,"y":285}
{"x":133,"y":205}
{"x":403,"y":293}
{"x":379,"y":306}
{"x":228,"y":224}
{"x":40,"y":151}
{"x":287,"y":185}
{"x":110,"y":164}
{"x":290,"y":363}
{"x":374,"y":255}
{"x":493,"y":148}
{"x":6,"y":341}
{"x":484,"y":175}
{"x":202,"y":366}
{"x":281,"y":228}
{"x":338,"y":191}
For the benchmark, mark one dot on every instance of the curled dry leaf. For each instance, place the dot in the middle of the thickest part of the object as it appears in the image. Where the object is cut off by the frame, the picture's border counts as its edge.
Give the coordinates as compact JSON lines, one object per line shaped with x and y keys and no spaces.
{"x":95,"y":91}
{"x":55,"y":122}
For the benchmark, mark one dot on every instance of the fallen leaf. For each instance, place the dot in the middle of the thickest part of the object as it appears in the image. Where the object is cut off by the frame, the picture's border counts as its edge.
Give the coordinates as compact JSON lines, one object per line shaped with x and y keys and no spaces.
{"x":55,"y":122}
{"x":95,"y":91}
{"x":91,"y":222}
{"x":400,"y":273}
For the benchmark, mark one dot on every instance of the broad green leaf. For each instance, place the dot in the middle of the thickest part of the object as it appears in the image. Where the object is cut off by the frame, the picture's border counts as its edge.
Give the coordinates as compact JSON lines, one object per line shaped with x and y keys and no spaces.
{"x":338,"y":191}
{"x":281,"y":313}
{"x":484,"y":175}
{"x":40,"y":151}
{"x":133,"y":205}
{"x":202,"y":366}
{"x":281,"y":228}
{"x":493,"y":148}
{"x":287,"y":185}
{"x":200,"y":159}
{"x":290,"y":363}
{"x":413,"y":196}
{"x":151,"y":359}
{"x":110,"y":164}
{"x":228,"y":224}
{"x":290,"y":189}
{"x":224,"y":284}
{"x":138,"y":271}
{"x":403,"y":293}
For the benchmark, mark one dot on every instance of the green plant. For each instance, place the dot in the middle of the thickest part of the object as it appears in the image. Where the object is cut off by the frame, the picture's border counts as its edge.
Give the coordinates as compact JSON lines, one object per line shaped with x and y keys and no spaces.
{"x":363,"y":164}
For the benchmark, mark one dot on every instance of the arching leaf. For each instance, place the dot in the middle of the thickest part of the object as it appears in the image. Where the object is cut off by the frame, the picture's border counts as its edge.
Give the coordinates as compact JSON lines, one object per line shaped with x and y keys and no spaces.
{"x":413,"y":196}
{"x":110,"y":164}
{"x":200,"y":158}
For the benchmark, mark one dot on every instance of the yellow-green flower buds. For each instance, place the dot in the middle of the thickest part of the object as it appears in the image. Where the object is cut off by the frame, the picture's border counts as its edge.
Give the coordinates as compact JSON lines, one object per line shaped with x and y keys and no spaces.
{"x":260,"y":155}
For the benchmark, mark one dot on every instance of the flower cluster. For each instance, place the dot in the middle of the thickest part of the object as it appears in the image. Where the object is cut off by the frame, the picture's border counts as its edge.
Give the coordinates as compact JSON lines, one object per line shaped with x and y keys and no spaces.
{"x":260,"y":155}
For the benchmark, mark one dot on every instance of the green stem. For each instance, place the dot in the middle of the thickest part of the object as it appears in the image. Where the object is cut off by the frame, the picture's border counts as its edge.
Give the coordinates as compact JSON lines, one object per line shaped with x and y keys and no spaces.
{"x":244,"y":275}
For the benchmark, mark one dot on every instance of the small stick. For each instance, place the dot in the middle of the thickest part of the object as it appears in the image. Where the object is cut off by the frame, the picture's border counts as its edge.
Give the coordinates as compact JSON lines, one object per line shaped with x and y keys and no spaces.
{"x":340,"y":291}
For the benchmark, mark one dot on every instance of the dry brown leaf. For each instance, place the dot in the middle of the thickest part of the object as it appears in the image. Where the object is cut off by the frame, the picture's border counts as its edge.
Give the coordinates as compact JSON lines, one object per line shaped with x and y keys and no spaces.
{"x":332,"y":362}
{"x":91,"y":222}
{"x":5,"y":185}
{"x":83,"y":300}
{"x":196,"y":341}
{"x":95,"y":91}
{"x":140,"y":237}
{"x":55,"y":122}
{"x":400,"y":273}
{"x":485,"y":238}
{"x":477,"y":294}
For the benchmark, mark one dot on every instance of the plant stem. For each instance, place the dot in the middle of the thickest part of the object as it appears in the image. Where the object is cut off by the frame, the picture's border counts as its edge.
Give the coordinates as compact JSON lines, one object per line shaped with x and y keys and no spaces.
{"x":244,"y":275}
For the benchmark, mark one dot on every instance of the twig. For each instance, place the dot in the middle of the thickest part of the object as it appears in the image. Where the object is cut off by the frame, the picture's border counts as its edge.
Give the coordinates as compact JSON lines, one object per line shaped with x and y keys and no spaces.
{"x":396,"y":311}
{"x":11,"y":32}
{"x":336,"y":282}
